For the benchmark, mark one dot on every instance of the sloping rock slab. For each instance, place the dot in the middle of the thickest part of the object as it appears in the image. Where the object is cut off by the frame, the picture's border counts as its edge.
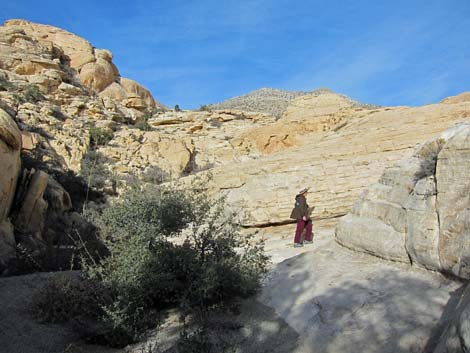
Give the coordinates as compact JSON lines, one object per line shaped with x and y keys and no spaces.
{"x":343,"y":301}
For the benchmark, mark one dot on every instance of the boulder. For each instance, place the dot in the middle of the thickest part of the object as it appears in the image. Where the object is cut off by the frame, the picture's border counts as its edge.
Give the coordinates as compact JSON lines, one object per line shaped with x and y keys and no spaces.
{"x":453,"y":203}
{"x":98,"y":75}
{"x":33,"y":210}
{"x":78,"y":50}
{"x":131,"y":94}
{"x":456,"y":336}
{"x":7,"y":247}
{"x":419,"y":211}
{"x":57,"y":197}
{"x":29,"y":140}
{"x":136,"y":90}
{"x":10,"y":146}
{"x":114,"y":92}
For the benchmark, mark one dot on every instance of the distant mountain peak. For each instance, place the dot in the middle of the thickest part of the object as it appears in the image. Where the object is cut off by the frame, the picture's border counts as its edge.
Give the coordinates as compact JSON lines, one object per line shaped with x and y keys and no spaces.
{"x":265,"y":100}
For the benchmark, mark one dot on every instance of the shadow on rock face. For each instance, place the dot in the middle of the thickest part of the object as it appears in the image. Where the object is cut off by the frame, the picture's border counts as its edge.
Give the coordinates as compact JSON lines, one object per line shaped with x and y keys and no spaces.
{"x":339,"y":301}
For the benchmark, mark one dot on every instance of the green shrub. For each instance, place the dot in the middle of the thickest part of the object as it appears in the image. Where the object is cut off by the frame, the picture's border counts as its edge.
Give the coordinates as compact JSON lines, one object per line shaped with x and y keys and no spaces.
{"x":156,"y":175}
{"x":205,"y":108}
{"x":210,"y":267}
{"x":57,"y":113}
{"x":143,"y":125}
{"x":169,"y":246}
{"x":94,"y":171}
{"x":99,"y":136}
{"x":5,"y":85}
{"x":65,"y":297}
{"x":32,"y":94}
{"x":148,"y":214}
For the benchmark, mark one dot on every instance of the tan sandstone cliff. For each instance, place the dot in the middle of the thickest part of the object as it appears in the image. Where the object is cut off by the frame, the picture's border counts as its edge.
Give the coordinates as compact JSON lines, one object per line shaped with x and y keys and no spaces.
{"x":345,"y":151}
{"x":418,"y":212}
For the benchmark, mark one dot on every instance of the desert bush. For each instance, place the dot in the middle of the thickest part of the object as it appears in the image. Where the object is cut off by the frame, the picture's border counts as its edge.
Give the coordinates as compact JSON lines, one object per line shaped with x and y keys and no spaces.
{"x":57,"y":113}
{"x":65,"y":296}
{"x":210,"y":266}
{"x":94,"y":171}
{"x":5,"y":85}
{"x":205,"y":108}
{"x":144,"y":124}
{"x":197,"y":341}
{"x":99,"y":136}
{"x":154,"y":174}
{"x":168,"y":247}
{"x":32,"y":94}
{"x":148,"y":213}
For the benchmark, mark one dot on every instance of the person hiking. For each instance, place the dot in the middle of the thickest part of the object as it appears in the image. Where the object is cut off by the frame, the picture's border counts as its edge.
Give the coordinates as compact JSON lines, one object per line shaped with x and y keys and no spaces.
{"x":301,"y":213}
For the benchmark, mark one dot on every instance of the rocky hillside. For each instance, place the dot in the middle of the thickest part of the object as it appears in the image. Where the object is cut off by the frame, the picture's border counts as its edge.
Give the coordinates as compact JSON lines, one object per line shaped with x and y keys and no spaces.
{"x":55,"y":90}
{"x":67,"y":112}
{"x":265,"y":100}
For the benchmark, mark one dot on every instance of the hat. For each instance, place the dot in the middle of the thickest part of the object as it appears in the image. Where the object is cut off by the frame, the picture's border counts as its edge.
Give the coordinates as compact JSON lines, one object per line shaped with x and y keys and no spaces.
{"x":304,"y":190}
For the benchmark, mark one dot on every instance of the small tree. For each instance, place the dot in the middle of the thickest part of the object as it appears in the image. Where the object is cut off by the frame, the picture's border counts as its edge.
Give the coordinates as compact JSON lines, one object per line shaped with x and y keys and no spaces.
{"x":100,"y":136}
{"x":177,"y":108}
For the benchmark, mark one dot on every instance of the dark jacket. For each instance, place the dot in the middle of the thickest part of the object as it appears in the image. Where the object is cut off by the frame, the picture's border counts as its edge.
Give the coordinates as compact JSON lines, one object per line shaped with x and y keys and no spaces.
{"x":300,"y":208}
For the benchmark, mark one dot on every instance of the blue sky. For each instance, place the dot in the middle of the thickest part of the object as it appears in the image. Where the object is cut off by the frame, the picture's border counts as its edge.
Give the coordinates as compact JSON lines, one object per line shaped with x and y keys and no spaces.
{"x":401,"y":52}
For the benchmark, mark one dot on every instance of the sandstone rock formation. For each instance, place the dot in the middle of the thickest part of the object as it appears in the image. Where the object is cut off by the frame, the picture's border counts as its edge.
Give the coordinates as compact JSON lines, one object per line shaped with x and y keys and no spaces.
{"x":22,"y":51}
{"x":456,"y":337}
{"x":323,"y":140}
{"x":10,"y":145}
{"x":32,"y":214}
{"x":78,"y":50}
{"x":460,"y":98}
{"x":419,"y":210}
{"x":310,"y":113}
{"x":339,"y":300}
{"x":338,"y":164}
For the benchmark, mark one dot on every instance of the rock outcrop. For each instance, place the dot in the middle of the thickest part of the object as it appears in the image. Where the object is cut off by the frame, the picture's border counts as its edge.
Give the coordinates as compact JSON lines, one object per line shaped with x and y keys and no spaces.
{"x":337,"y":164}
{"x":419,"y":211}
{"x":456,"y":336}
{"x":10,"y":146}
{"x":460,"y":98}
{"x":25,"y":43}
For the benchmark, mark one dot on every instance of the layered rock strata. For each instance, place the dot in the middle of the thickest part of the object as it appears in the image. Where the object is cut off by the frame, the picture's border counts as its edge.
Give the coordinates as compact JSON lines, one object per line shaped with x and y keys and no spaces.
{"x":10,"y":146}
{"x":337,"y":164}
{"x":94,"y":67}
{"x":419,"y":211}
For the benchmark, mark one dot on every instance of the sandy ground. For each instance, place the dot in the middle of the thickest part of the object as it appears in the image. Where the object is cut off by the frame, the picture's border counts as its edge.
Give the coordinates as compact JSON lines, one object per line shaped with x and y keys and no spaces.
{"x":319,"y":298}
